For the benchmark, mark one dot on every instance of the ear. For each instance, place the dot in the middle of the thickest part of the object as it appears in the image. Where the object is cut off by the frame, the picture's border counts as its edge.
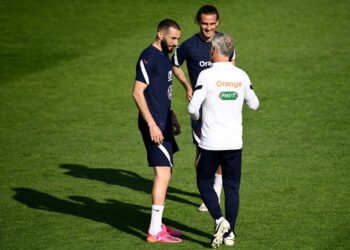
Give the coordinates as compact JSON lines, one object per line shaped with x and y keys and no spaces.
{"x":212,"y":51}
{"x":160,"y":35}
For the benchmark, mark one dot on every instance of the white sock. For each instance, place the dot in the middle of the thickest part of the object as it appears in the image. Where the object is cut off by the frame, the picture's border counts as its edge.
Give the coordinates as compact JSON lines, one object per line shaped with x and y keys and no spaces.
{"x":156,"y":219}
{"x":218,"y":221}
{"x":218,"y":185}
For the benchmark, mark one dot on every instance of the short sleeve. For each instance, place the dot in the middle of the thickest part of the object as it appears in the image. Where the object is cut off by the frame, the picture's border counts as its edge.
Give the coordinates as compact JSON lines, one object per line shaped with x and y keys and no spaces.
{"x":143,"y":69}
{"x":179,"y":56}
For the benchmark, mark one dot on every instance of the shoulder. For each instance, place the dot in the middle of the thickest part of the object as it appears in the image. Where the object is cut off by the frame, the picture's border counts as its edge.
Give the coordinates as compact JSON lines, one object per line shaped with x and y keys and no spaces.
{"x":205,"y":73}
{"x":242,"y":75}
{"x":151,"y":56}
{"x":191,"y":41}
{"x":240,"y":71}
{"x":148,"y":52}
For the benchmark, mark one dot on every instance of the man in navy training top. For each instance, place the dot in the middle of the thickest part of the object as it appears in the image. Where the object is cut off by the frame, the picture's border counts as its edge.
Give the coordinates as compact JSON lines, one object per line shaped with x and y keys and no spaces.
{"x":196,"y":52}
{"x":152,"y":94}
{"x":221,"y":92}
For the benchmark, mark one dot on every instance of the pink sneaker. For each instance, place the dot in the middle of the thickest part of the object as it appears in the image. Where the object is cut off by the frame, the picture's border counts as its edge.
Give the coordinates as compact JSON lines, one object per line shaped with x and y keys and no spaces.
{"x":172,"y":232}
{"x":162,"y":237}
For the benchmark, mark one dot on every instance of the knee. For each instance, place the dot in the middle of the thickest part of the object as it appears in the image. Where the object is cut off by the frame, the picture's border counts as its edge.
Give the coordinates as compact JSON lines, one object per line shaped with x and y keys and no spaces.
{"x":164,"y":177}
{"x":232,"y":185}
{"x":203,"y":184}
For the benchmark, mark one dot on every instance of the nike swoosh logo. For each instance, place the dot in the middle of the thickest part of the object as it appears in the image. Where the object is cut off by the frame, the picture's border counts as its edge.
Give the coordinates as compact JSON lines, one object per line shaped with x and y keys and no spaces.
{"x":157,"y":210}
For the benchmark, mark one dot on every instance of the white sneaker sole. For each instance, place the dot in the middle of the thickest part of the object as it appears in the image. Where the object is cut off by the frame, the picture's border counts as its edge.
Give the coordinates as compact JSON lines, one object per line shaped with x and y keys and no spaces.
{"x":229,"y":242}
{"x":217,"y":240}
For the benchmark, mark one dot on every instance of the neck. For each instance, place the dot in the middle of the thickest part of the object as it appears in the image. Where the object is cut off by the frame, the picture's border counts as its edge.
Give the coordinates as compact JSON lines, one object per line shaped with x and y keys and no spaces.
{"x":157,"y":44}
{"x":205,"y":39}
{"x":220,"y":58}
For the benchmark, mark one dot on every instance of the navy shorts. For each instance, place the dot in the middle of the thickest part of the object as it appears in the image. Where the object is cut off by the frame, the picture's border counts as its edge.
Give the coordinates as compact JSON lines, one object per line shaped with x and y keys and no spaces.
{"x":159,"y":155}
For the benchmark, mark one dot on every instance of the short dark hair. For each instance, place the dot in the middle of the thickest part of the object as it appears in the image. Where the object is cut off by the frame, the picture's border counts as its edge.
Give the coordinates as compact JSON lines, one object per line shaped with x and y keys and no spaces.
{"x":166,"y":24}
{"x":208,"y":10}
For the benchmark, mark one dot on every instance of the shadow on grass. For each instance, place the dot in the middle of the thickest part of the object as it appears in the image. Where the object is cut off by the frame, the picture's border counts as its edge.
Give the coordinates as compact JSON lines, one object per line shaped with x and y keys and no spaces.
{"x":129,"y":218}
{"x":124,"y":178}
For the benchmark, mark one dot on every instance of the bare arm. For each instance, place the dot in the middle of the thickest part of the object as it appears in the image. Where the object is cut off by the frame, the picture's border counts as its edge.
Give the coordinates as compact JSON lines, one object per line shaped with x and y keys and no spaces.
{"x":138,"y":95}
{"x":180,"y":75}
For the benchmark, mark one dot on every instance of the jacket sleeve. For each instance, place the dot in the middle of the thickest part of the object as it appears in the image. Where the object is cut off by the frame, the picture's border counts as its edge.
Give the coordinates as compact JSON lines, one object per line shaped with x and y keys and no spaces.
{"x":250,"y":98}
{"x":198,"y":98}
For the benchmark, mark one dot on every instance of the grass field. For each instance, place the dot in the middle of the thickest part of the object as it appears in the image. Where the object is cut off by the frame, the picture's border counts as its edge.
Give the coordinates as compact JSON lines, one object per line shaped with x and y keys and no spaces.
{"x":73,"y":170}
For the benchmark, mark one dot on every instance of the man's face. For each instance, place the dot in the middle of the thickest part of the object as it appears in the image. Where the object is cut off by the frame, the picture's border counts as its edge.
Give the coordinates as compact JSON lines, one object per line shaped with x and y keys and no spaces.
{"x":171,"y":39}
{"x":208,"y":25}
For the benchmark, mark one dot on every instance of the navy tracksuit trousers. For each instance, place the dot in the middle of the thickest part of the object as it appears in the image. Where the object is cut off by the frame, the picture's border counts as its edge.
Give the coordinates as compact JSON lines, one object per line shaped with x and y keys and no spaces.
{"x":231,"y":164}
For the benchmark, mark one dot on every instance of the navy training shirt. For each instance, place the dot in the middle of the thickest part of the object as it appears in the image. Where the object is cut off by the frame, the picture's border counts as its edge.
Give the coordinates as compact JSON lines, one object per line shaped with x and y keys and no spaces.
{"x":196,"y":53}
{"x":154,"y":69}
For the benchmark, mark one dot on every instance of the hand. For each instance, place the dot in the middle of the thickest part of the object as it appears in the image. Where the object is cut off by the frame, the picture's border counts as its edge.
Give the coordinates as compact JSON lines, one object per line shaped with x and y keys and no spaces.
{"x":189,"y":94}
{"x":175,"y":125}
{"x":156,"y":134}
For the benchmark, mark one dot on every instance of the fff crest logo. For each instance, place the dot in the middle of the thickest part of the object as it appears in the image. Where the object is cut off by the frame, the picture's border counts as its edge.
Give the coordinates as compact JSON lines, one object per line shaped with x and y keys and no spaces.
{"x":170,"y":75}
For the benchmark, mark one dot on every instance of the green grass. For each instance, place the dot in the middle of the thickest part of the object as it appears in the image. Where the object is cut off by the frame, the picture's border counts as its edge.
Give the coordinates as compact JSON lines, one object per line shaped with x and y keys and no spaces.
{"x":73,"y":167}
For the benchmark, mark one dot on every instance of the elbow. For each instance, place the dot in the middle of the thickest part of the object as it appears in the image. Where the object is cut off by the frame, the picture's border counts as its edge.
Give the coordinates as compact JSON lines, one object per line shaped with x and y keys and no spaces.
{"x":175,"y":70}
{"x":255,"y":105}
{"x":191,"y":109}
{"x":135,"y":95}
{"x":193,"y":112}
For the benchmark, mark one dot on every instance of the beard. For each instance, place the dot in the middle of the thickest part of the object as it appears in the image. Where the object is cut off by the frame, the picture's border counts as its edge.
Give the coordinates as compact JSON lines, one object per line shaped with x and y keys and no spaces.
{"x":165,"y":46}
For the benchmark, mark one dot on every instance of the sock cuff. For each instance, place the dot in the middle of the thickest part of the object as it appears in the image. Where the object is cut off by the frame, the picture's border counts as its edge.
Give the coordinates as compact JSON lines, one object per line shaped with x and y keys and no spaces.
{"x":218,"y":176}
{"x":158,"y":207}
{"x":218,"y":221}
